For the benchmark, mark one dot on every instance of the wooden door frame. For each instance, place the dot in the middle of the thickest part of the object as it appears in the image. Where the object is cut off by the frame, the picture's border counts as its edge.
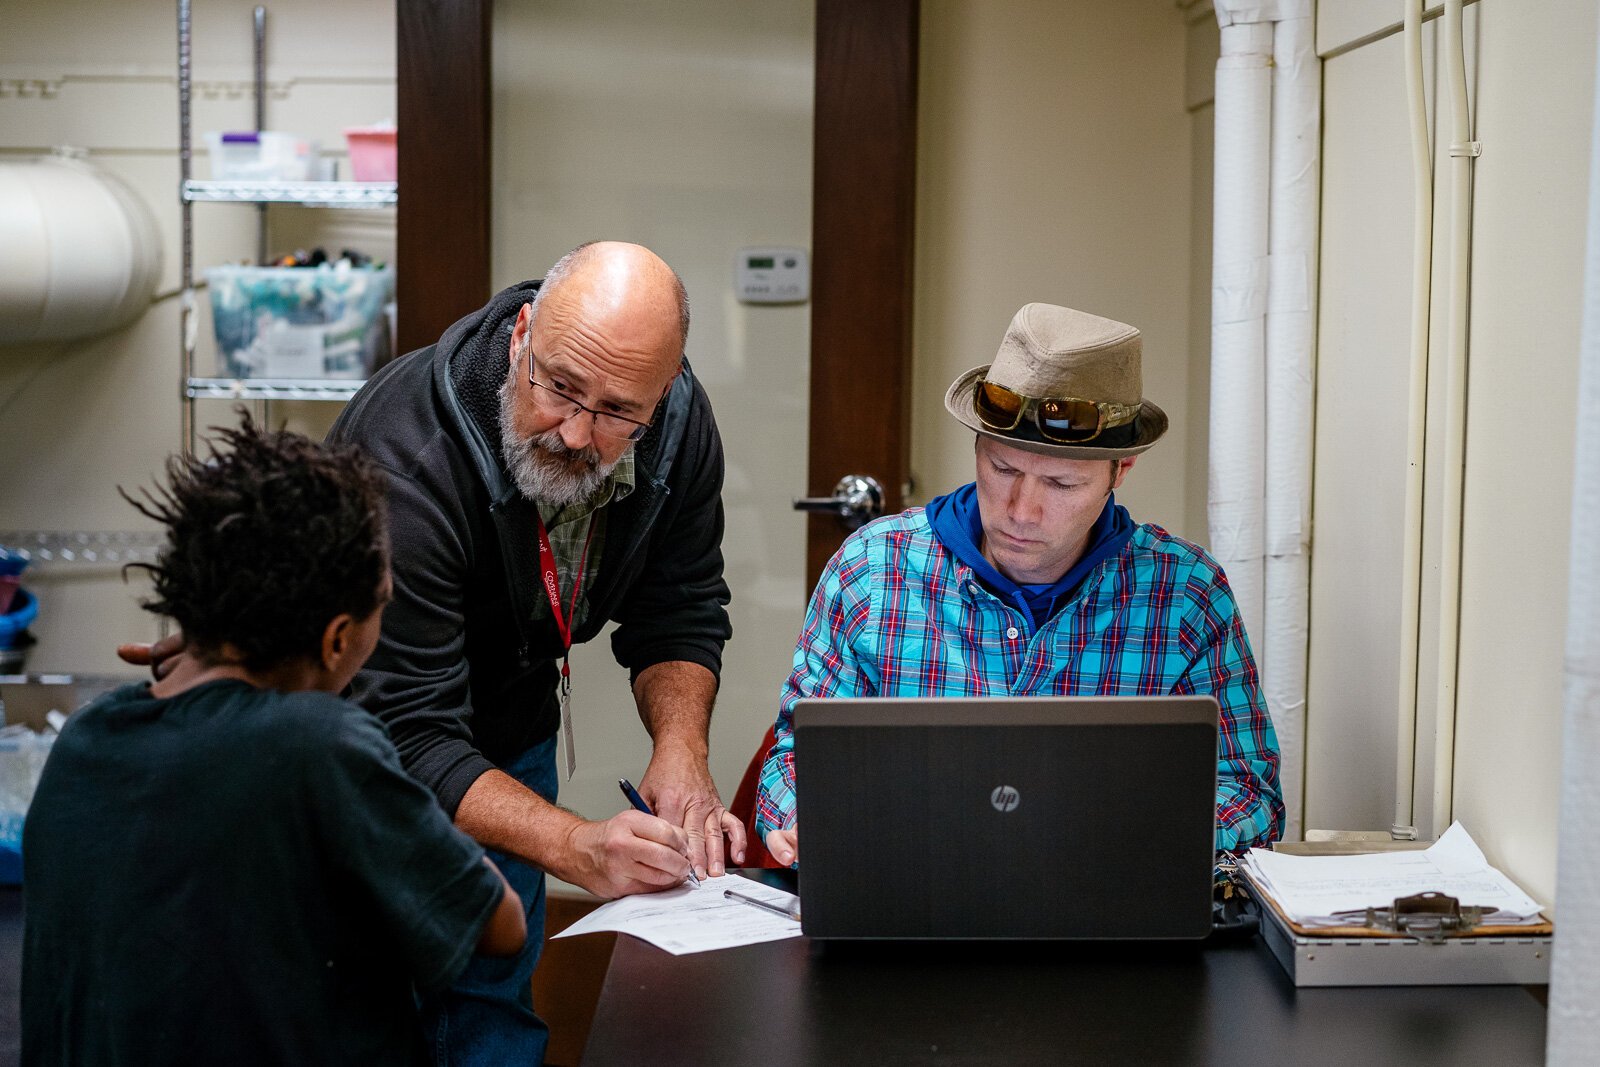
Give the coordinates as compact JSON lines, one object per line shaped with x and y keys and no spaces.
{"x":863,"y":231}
{"x":442,"y":58}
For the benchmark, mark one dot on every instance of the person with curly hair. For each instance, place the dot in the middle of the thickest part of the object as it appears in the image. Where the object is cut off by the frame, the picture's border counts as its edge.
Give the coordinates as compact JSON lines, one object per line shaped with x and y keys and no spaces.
{"x":230,"y":864}
{"x":554,"y":467}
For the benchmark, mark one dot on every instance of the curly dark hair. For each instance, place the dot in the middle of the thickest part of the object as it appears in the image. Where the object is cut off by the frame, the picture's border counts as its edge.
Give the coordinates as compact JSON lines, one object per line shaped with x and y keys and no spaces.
{"x":269,"y":539}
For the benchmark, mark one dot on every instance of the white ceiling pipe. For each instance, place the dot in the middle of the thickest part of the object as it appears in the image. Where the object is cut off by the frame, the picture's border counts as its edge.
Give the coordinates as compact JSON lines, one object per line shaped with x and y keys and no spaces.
{"x":1290,"y":333}
{"x":1405,"y":772}
{"x":1575,"y":969}
{"x":1462,"y":150}
{"x":81,"y":252}
{"x":1238,"y":309}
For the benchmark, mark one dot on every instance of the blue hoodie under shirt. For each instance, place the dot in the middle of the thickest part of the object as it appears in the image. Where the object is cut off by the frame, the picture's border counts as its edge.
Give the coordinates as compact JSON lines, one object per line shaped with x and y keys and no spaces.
{"x":958,"y":526}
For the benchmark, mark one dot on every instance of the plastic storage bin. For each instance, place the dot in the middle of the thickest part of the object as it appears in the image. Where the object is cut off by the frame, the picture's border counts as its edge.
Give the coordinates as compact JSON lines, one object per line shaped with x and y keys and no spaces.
{"x":373,"y":153}
{"x":20,"y":612}
{"x":266,"y":156}
{"x":300,"y":322}
{"x":22,"y":757}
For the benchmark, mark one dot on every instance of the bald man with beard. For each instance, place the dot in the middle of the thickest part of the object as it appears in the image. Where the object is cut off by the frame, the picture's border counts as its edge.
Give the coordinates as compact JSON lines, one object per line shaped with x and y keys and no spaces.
{"x":553,"y":465}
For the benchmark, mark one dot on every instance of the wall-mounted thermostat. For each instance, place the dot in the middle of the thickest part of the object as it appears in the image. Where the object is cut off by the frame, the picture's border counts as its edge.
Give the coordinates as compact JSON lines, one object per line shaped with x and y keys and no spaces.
{"x":772,"y":276}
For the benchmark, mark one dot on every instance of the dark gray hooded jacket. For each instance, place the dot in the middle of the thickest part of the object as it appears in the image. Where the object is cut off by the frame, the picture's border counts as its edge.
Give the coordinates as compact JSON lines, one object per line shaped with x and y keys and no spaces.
{"x":464,"y":674}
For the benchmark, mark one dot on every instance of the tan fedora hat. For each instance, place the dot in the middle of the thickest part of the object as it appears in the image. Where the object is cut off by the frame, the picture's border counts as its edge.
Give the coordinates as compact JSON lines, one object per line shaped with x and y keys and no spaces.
{"x":1052,"y":351}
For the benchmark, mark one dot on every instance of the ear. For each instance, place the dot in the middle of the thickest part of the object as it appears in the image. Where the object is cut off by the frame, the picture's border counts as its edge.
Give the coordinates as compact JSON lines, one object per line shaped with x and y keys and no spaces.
{"x":336,"y":642}
{"x":677,"y":372}
{"x":1123,"y":467}
{"x":519,"y":332}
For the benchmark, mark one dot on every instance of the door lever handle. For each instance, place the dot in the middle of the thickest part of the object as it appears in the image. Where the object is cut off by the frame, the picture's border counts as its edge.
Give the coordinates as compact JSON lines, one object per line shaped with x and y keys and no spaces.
{"x":856,"y":500}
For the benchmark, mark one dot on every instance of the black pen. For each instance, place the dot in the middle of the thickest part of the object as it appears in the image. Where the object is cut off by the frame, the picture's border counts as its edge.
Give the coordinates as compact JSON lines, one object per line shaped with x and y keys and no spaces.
{"x":763,"y":905}
{"x":639,"y":805}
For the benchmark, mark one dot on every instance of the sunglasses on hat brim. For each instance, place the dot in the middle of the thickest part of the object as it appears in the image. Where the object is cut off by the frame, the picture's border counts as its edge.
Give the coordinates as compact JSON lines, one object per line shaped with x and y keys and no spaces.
{"x":1063,"y":419}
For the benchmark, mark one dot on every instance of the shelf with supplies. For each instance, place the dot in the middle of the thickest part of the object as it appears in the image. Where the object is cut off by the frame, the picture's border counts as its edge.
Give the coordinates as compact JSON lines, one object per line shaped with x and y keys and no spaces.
{"x":305,"y":194}
{"x":300,"y":331}
{"x":337,"y":389}
{"x":55,"y":548}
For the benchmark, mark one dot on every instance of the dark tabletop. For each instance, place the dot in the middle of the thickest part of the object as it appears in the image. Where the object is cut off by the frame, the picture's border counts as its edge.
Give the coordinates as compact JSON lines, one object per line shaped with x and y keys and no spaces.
{"x":10,"y":973}
{"x":803,"y":1002}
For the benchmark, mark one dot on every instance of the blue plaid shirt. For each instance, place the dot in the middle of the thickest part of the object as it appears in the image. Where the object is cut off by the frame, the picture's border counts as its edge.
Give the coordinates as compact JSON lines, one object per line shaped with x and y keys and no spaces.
{"x":896,"y":614}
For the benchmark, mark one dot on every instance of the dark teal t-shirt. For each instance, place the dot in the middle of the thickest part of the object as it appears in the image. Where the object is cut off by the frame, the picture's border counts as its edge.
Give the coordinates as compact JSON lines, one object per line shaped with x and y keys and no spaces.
{"x":237,"y":876}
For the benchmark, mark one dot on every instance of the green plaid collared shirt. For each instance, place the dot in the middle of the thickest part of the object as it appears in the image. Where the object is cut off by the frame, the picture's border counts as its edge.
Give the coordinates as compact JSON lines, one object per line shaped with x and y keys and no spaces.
{"x":567,"y":528}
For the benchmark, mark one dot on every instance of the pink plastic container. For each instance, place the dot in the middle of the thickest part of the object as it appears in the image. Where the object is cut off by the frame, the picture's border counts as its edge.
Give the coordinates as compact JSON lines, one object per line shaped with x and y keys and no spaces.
{"x":372,"y":153}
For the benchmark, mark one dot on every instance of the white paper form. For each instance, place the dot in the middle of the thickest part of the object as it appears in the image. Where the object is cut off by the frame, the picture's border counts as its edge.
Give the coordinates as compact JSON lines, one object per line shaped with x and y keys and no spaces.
{"x":687,"y":919}
{"x":1312,"y":890}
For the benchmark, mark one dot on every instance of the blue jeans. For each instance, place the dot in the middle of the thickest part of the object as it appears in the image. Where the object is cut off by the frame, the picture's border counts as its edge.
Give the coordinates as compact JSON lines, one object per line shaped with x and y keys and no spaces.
{"x":487,"y":1016}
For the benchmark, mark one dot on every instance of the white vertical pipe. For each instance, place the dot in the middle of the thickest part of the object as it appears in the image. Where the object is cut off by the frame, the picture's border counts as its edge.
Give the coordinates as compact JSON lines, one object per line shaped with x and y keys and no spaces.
{"x":1290,"y":346}
{"x":1416,"y":422}
{"x":1575,"y":970}
{"x":1238,"y":309}
{"x":1455,"y":408}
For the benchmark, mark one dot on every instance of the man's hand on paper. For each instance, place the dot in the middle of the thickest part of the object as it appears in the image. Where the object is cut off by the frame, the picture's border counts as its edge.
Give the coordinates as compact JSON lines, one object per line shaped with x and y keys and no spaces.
{"x":785,"y":845}
{"x":678,"y":787}
{"x":631,"y":852}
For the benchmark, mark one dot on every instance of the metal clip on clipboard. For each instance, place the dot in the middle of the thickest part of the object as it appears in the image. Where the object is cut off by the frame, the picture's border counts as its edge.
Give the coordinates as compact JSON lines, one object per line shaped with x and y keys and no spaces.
{"x":1429,"y":917}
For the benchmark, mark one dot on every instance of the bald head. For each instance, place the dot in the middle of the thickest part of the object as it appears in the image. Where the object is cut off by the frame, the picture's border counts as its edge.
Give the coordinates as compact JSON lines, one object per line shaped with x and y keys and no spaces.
{"x":615,"y":280}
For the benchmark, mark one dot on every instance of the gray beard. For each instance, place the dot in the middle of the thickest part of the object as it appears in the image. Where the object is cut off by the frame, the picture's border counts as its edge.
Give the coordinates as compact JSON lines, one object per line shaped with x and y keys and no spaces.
{"x":543,"y":467}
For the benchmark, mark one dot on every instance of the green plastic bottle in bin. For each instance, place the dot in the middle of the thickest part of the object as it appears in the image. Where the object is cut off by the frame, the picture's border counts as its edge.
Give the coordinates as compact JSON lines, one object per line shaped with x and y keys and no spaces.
{"x":300,"y":322}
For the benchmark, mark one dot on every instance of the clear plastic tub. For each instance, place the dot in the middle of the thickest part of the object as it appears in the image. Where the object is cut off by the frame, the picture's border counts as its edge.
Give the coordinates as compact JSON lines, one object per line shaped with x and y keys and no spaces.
{"x":266,"y":156}
{"x":300,"y":322}
{"x":22,"y":758}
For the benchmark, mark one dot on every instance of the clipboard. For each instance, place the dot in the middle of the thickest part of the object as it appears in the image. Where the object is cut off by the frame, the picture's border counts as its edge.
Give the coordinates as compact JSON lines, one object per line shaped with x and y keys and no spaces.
{"x":1371,"y":955}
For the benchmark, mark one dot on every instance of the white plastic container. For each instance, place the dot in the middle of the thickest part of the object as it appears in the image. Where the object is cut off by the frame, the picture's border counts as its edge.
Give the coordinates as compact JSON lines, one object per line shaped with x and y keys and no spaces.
{"x":267,"y":156}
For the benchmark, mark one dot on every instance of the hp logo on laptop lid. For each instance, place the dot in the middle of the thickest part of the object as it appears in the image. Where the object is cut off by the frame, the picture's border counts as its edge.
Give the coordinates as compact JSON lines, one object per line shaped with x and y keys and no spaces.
{"x":1005,"y":798}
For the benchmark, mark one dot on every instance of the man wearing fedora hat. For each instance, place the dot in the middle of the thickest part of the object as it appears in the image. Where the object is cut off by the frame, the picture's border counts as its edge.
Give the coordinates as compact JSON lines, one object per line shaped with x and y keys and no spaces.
{"x":1032,"y":580}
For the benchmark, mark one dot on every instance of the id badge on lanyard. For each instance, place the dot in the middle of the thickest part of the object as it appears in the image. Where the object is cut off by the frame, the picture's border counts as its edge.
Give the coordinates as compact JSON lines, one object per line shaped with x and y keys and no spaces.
{"x":552,"y":588}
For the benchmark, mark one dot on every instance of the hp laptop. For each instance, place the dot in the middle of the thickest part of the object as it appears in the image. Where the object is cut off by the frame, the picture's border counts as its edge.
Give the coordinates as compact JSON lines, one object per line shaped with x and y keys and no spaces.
{"x":1030,"y":817}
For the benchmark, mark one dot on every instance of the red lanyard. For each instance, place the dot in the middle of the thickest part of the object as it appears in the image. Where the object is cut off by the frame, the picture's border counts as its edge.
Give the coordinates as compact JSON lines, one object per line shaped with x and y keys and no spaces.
{"x":552,"y":585}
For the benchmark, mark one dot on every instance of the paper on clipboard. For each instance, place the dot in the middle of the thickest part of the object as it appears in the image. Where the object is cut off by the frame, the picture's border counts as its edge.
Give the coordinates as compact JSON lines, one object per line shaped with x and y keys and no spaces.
{"x":1315,"y":891}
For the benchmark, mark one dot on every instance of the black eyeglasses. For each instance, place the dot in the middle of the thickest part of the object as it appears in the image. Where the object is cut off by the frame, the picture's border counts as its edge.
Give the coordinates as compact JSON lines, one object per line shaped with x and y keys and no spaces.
{"x":553,"y":402}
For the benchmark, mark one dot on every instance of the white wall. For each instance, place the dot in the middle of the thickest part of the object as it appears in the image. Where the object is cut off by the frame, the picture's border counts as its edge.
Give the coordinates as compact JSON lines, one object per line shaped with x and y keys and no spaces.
{"x":1358,"y":499}
{"x":81,"y":418}
{"x":1053,"y":164}
{"x":1536,"y":77}
{"x":685,"y":127}
{"x":1532,"y":65}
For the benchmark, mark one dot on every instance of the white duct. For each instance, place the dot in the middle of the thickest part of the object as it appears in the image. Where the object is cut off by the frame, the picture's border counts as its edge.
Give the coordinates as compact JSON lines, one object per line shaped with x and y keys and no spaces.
{"x":1268,"y":112}
{"x":1236,"y":501}
{"x":79,"y":251}
{"x":1291,"y":344}
{"x":1575,"y":969}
